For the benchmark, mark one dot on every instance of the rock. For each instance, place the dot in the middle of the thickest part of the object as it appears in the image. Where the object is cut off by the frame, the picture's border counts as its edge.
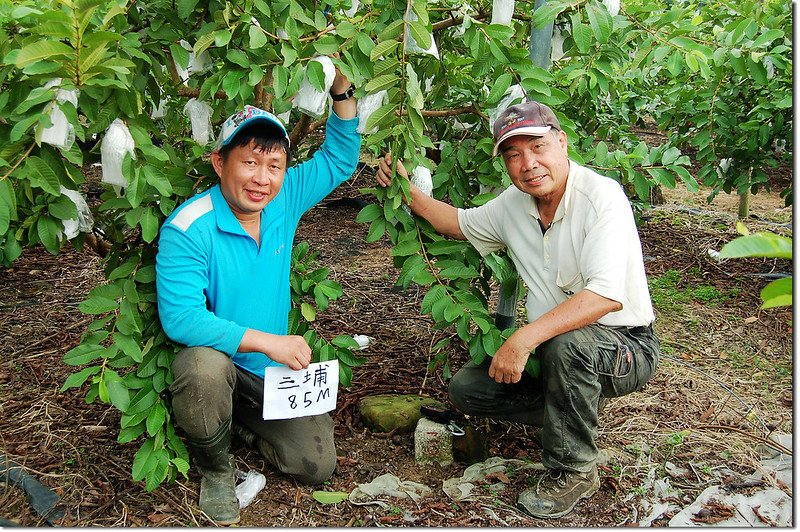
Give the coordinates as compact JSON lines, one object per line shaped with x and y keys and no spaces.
{"x":433,"y":443}
{"x":393,"y":412}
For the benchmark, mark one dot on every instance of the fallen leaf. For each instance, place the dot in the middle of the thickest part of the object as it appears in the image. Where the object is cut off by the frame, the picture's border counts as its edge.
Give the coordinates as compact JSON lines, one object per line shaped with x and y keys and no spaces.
{"x":751,"y":319}
{"x":330,"y":497}
{"x":156,"y":518}
{"x":499,"y":475}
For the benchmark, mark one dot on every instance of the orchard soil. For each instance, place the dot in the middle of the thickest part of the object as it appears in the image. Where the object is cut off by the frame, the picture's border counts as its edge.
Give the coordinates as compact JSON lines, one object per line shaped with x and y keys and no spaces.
{"x":723,"y":385}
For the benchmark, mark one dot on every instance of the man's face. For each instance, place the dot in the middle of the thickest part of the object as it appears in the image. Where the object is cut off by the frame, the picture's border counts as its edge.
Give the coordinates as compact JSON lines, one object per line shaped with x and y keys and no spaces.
{"x":250,"y":177}
{"x":538,"y":166}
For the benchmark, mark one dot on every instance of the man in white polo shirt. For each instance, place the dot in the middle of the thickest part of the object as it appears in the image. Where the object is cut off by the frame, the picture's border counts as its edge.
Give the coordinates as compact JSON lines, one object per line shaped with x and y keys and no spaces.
{"x":573,"y":239}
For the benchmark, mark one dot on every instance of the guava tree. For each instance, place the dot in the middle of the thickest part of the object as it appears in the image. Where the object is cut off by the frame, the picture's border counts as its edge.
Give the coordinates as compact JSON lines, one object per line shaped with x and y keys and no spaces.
{"x":138,"y":85}
{"x":717,"y":76}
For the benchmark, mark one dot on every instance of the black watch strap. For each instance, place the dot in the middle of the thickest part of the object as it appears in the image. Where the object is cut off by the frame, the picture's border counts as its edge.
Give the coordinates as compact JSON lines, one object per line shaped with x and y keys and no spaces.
{"x":345,"y":95}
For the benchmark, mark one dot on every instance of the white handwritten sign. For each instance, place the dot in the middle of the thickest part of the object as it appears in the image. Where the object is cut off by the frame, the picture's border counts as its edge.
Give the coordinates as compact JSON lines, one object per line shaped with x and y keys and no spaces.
{"x":292,"y":393}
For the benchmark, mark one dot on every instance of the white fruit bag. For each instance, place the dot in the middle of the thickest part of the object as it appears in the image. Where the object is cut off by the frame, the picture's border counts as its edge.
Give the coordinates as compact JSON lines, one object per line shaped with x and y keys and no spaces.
{"x":353,"y":8}
{"x":368,"y":105}
{"x":515,"y":94}
{"x":84,"y":222}
{"x":311,"y":101}
{"x":61,"y":133}
{"x":115,"y":144}
{"x":197,"y":63}
{"x":411,"y":44}
{"x":199,"y":114}
{"x":502,"y":12}
{"x":612,"y":6}
{"x":421,"y":178}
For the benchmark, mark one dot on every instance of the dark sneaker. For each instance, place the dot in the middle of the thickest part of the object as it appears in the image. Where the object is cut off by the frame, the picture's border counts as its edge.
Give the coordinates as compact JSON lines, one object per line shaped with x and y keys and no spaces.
{"x":558,"y":491}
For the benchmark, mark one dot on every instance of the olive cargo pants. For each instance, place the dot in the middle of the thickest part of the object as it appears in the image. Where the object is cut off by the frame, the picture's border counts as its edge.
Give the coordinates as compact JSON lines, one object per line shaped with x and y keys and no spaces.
{"x":576,"y":368}
{"x":208,"y":390}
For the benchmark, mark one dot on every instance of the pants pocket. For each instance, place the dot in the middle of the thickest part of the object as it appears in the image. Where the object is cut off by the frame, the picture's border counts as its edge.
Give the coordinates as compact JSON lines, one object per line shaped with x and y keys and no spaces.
{"x":617,"y":368}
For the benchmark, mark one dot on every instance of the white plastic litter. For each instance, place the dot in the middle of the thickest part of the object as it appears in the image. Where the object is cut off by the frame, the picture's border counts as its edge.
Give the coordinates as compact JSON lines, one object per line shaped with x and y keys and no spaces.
{"x":200,"y":115}
{"x":252,"y":483}
{"x":773,"y":505}
{"x":115,"y":144}
{"x":311,"y":101}
{"x":612,"y":6}
{"x":387,"y":485}
{"x":515,"y":94}
{"x":61,"y":133}
{"x":84,"y":221}
{"x":502,"y":12}
{"x":460,"y":488}
{"x":368,"y":105}
{"x":363,"y":341}
{"x":411,"y":44}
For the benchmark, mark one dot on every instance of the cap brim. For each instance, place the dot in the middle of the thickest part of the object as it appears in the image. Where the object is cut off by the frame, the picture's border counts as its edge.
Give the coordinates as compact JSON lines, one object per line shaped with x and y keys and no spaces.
{"x":268,"y":120}
{"x":530,"y":131}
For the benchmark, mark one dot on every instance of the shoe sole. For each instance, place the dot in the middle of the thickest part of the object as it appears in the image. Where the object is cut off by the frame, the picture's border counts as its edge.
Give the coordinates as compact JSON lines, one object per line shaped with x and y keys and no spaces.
{"x":226,"y":521}
{"x":563,"y":512}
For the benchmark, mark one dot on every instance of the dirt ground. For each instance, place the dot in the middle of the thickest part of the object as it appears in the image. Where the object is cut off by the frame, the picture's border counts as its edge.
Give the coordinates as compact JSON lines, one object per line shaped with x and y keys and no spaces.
{"x":723,"y":385}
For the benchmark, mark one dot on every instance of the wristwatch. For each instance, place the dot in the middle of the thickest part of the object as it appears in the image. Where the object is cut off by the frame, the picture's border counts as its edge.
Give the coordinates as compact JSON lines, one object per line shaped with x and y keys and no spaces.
{"x":345,"y":95}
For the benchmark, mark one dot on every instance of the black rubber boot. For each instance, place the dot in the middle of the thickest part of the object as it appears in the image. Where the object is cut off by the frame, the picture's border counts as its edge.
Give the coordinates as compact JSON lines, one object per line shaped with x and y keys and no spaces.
{"x":218,"y":486}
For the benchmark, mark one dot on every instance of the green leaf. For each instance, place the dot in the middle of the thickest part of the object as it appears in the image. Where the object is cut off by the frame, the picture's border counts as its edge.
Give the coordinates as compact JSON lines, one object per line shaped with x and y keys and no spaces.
{"x":62,"y":208}
{"x":381,"y":115}
{"x":381,"y":83}
{"x":43,"y":176}
{"x":315,"y":75}
{"x":156,"y":418}
{"x":767,"y":245}
{"x":600,"y":21}
{"x":777,"y":293}
{"x":77,"y":379}
{"x":83,"y":354}
{"x":581,"y":34}
{"x":547,"y":13}
{"x":257,"y":37}
{"x":419,"y":32}
{"x":499,"y":88}
{"x":185,"y":8}
{"x":376,"y":230}
{"x":98,"y":305}
{"x":670,"y":155}
{"x":118,"y":394}
{"x":369,"y":213}
{"x":383,"y":49}
{"x":47,"y":230}
{"x":238,"y":57}
{"x":42,"y":51}
{"x":330,"y":497}
{"x":309,"y":313}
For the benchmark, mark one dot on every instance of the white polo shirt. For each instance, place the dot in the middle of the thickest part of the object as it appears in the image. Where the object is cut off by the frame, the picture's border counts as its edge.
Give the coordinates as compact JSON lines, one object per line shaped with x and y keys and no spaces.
{"x":591,"y":244}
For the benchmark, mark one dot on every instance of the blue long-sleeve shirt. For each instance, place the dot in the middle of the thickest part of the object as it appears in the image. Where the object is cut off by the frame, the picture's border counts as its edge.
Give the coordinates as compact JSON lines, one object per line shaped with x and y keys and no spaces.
{"x":213,"y":282}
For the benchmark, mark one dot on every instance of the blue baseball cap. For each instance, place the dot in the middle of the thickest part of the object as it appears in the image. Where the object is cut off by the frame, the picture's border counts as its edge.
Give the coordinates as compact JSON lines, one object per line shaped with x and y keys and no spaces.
{"x":246,"y":116}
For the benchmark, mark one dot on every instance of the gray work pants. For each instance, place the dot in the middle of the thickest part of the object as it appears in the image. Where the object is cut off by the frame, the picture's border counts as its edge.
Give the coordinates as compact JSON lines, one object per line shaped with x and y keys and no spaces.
{"x":576,"y":368}
{"x":208,"y":389}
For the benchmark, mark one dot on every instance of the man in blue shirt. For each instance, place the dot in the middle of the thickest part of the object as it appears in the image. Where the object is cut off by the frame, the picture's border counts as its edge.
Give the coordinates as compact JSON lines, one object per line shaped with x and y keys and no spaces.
{"x":222,"y":274}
